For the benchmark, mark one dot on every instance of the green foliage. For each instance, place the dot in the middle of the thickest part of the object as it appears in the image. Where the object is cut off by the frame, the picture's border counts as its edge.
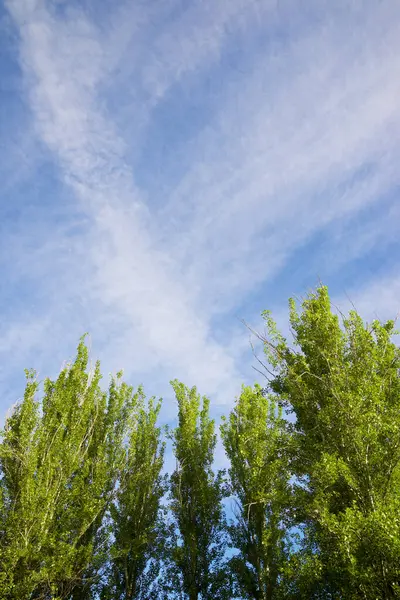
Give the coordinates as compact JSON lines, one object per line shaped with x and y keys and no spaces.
{"x":198,"y":528}
{"x":134,"y":566}
{"x":256,"y":443}
{"x":82,"y":494}
{"x":60,"y":460}
{"x":342,"y":384}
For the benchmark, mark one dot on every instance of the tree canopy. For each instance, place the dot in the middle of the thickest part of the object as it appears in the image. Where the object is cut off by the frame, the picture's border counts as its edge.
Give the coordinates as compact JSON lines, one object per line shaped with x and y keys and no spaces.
{"x":308,"y":506}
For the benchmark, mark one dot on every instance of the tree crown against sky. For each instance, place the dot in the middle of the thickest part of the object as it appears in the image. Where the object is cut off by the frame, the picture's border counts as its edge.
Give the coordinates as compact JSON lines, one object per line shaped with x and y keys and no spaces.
{"x":312,"y":479}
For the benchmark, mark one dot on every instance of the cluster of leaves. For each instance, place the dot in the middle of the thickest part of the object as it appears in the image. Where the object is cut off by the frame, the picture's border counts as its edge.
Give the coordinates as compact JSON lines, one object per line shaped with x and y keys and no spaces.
{"x":308,"y":509}
{"x":75,"y":469}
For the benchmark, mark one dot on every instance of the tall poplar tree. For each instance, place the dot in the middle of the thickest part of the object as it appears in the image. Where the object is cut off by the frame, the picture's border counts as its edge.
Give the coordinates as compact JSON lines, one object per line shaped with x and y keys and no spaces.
{"x":256,"y":443}
{"x":135,"y":513}
{"x":341,"y":381}
{"x":60,"y":460}
{"x":198,"y":527}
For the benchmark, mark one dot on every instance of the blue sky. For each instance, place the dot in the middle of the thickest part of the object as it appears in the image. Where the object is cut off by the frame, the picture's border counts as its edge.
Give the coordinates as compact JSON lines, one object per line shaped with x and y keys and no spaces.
{"x":168,"y":168}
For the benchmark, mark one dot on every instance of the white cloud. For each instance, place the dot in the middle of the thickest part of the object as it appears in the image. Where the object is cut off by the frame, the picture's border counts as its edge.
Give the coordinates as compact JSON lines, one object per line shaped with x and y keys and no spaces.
{"x":195,"y":39}
{"x":308,"y":134}
{"x":130,"y":277}
{"x":272,"y":169}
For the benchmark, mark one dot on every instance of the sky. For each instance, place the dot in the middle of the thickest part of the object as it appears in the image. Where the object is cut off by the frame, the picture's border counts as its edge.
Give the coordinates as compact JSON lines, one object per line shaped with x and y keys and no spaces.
{"x":169,"y":168}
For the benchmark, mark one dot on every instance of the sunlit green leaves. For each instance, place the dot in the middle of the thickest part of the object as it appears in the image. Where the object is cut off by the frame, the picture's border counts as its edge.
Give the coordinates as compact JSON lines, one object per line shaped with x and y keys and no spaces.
{"x":60,"y":460}
{"x":135,"y":511}
{"x":197,"y":529}
{"x":256,"y":443}
{"x":342,"y":383}
{"x":85,"y":512}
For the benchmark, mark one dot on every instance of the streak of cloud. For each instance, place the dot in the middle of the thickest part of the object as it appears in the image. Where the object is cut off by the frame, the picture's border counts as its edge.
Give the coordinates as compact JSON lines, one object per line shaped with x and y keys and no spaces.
{"x":299,"y":135}
{"x":130,"y":276}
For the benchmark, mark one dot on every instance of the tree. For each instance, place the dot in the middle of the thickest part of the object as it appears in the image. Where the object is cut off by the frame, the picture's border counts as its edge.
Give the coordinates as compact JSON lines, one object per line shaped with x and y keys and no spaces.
{"x":60,"y":460}
{"x":341,"y":381}
{"x":135,"y":512}
{"x":256,"y":443}
{"x":198,"y":529}
{"x":82,"y":492}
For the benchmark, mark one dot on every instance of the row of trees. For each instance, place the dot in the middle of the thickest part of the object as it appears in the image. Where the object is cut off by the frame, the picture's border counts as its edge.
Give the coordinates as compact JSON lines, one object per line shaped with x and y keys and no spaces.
{"x":309,"y":506}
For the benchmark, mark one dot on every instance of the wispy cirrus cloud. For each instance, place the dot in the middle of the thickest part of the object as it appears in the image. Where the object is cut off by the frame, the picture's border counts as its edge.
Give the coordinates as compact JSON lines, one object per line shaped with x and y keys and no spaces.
{"x":309,"y":137}
{"x":129,"y":276}
{"x":284,"y":124}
